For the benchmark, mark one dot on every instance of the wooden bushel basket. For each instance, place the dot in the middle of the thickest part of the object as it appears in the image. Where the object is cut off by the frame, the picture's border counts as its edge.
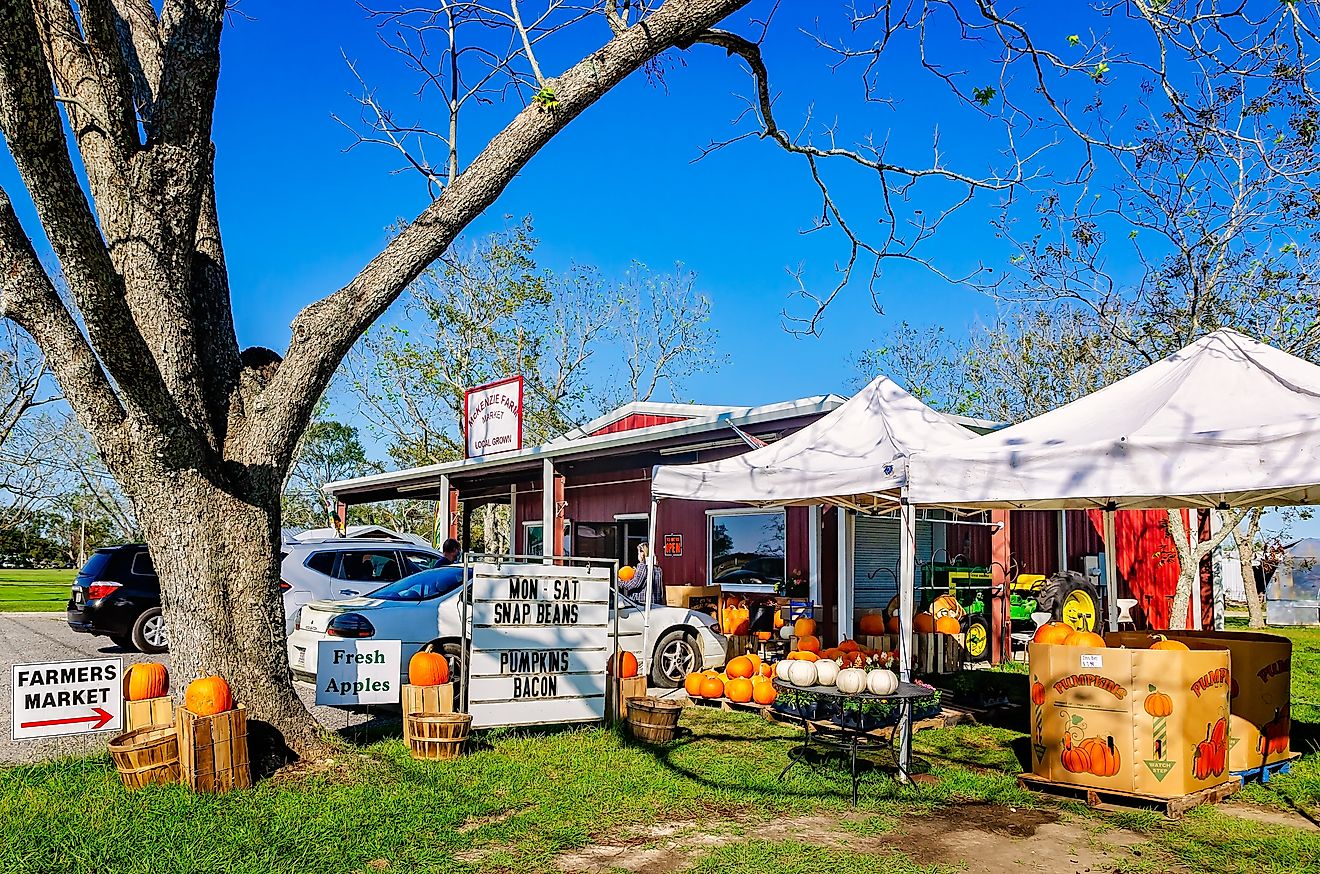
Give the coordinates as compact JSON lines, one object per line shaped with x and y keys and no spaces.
{"x":437,"y":736}
{"x":653,"y":720}
{"x":146,"y":756}
{"x":213,"y":750}
{"x":148,"y":712}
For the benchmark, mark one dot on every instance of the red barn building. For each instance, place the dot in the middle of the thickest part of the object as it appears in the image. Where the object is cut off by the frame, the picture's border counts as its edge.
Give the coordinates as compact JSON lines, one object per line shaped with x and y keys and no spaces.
{"x":595,"y":483}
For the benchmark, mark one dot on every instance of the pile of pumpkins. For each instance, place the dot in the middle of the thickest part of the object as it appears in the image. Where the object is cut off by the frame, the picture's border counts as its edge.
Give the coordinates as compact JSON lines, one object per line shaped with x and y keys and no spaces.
{"x":829,"y":672}
{"x":1063,"y":634}
{"x":848,"y":654}
{"x":941,"y":617}
{"x":745,"y":679}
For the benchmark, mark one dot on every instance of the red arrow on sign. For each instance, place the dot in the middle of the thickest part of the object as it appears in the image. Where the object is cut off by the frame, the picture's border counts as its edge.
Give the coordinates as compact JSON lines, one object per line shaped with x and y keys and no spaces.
{"x":100,"y":718}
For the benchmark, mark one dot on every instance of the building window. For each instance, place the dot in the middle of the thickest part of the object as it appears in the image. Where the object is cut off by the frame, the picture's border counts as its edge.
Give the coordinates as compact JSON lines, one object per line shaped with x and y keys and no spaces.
{"x":596,"y":540}
{"x":747,"y":550}
{"x":534,"y":544}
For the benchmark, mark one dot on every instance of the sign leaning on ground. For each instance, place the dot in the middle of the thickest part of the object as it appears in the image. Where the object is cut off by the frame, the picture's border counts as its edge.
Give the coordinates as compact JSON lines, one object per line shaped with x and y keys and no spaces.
{"x":540,"y":641}
{"x":492,"y":417}
{"x":58,"y":698}
{"x":357,"y":672}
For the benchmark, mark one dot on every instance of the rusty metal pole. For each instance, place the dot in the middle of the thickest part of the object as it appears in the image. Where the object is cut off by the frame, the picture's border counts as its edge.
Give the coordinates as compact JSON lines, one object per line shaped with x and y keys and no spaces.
{"x":1000,"y":561}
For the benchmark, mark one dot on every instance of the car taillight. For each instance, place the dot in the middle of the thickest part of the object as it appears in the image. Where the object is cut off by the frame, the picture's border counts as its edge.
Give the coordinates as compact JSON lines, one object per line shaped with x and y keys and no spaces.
{"x":350,"y":625}
{"x":97,"y":591}
{"x":284,"y":587}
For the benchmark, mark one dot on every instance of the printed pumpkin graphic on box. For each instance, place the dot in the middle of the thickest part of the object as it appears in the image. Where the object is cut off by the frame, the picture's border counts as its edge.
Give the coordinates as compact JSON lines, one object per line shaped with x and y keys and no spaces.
{"x":1129,"y":719}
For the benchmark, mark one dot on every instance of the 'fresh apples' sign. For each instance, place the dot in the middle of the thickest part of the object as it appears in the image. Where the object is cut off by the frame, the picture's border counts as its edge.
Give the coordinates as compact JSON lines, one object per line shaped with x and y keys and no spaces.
{"x":492,"y":417}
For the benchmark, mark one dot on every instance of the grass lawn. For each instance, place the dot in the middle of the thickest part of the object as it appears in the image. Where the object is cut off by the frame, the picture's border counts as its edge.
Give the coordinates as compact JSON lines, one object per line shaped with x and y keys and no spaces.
{"x":25,"y":590}
{"x":709,"y":803}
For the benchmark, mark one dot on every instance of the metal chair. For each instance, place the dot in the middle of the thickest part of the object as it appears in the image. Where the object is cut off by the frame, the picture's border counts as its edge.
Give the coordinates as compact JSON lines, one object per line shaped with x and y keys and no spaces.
{"x":1125,"y":606}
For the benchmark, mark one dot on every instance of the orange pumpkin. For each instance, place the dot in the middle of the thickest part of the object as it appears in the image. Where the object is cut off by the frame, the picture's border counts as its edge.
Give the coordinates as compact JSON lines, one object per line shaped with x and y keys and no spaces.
{"x":1074,"y":759}
{"x":764,"y":693}
{"x":810,"y":643}
{"x":146,"y":680}
{"x":832,"y":653}
{"x":894,"y":625}
{"x":207,"y":696}
{"x":1103,"y":756}
{"x":692,"y":684}
{"x":851,"y":645}
{"x":1084,"y":638}
{"x":924,"y":623}
{"x":739,"y":689}
{"x":807,"y":655}
{"x":712,"y":687}
{"x":756,"y":662}
{"x":1037,"y":694}
{"x":947,"y":605}
{"x":1158,"y":704}
{"x":872,"y":624}
{"x":767,"y":670}
{"x":1162,"y":642}
{"x":627,"y":665}
{"x":804,"y":627}
{"x":626,"y":573}
{"x":948,"y":625}
{"x":432,"y":669}
{"x":763,"y":635}
{"x":739,"y":667}
{"x":1052,"y":632}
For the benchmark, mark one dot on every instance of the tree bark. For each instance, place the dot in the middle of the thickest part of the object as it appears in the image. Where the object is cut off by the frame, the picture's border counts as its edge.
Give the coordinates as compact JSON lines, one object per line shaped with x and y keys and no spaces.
{"x":1246,"y":544}
{"x":216,"y":551}
{"x":1189,"y":561}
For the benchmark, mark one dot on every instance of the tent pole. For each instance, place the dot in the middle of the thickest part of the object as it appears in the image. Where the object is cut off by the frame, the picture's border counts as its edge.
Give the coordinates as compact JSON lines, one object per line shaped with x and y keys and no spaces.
{"x":844,"y":602}
{"x":907,"y":580}
{"x":645,"y":660}
{"x":1111,"y":571}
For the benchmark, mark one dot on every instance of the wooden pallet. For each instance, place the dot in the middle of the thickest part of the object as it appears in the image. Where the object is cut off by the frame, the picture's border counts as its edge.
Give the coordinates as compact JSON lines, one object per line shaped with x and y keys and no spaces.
{"x":729,"y":706}
{"x":1264,"y":773}
{"x":1173,"y":807}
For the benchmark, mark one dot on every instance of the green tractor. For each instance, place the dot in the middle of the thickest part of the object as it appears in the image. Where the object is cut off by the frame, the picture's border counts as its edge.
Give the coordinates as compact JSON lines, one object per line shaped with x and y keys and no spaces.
{"x":959,"y":589}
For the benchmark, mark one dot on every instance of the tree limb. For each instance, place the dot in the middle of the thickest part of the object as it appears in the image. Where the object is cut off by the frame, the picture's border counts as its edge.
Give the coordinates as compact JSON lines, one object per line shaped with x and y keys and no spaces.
{"x":324,"y":331}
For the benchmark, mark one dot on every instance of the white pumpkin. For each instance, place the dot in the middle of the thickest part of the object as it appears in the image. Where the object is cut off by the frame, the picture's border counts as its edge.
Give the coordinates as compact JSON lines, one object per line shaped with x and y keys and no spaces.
{"x":781,"y":669}
{"x":827,"y":671}
{"x":881,"y":682}
{"x":851,"y":681}
{"x":786,"y":632}
{"x":802,"y":673}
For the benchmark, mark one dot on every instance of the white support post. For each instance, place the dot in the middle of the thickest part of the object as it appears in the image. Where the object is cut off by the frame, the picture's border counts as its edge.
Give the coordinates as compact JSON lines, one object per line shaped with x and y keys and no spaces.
{"x":1193,"y":536}
{"x":514,"y":549}
{"x":1217,"y":572}
{"x":1111,"y":570}
{"x":1063,"y":540}
{"x":907,"y":581}
{"x":651,"y":523}
{"x":845,"y":582}
{"x":547,"y":506}
{"x":441,"y":532}
{"x":814,"y":522}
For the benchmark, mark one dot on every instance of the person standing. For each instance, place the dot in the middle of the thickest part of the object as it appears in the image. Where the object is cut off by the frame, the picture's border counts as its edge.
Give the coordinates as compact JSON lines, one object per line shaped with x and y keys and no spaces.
{"x":636,"y":587}
{"x":450,"y":551}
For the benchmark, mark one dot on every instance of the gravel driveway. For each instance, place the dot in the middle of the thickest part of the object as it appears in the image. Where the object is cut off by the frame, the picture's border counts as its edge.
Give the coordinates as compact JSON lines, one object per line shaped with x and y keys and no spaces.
{"x":45,"y":637}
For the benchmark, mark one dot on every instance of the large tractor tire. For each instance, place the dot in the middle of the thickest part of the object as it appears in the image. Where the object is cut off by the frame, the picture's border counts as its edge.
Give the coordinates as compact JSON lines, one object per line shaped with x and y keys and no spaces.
{"x":976,"y":642}
{"x":1070,"y":597}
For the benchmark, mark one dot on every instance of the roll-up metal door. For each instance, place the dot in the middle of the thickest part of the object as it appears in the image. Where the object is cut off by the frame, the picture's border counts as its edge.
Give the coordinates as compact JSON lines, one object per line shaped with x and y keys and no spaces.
{"x":875,"y":559}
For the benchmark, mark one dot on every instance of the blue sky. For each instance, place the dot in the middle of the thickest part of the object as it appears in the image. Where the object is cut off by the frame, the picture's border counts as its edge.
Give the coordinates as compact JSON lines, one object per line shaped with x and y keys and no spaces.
{"x":300,"y":216}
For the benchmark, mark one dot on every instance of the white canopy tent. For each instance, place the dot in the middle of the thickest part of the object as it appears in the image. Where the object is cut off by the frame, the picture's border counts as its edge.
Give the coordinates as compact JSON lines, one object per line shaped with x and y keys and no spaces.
{"x":1225,"y":422}
{"x":856,"y":457}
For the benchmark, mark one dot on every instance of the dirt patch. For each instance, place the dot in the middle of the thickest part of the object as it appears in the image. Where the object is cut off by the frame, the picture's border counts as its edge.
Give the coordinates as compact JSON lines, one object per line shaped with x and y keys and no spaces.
{"x":1267,"y":815}
{"x":982,"y":837}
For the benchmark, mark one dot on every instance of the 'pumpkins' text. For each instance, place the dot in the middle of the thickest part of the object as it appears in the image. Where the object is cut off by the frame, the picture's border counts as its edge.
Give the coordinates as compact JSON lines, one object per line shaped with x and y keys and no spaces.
{"x":1094,"y":680}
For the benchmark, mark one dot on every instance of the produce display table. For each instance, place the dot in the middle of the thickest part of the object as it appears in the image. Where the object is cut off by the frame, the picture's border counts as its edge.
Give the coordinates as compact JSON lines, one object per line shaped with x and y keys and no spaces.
{"x":850,"y":735}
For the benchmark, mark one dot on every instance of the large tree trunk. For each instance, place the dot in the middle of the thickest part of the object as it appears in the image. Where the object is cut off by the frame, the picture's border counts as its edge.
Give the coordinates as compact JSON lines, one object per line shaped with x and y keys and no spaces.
{"x":216,"y":550}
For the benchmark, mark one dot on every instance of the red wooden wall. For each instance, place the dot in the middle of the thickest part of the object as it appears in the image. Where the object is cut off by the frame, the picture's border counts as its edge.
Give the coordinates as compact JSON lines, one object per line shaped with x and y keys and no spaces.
{"x":635,"y":421}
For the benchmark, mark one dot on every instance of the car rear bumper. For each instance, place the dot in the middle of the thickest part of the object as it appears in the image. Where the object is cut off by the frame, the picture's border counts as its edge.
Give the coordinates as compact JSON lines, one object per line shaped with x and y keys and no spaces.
{"x":103,"y":617}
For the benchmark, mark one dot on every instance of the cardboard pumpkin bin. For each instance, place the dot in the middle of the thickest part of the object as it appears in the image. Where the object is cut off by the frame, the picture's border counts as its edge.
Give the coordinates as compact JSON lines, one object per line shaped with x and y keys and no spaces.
{"x":1259,"y":694}
{"x":1138,"y":721}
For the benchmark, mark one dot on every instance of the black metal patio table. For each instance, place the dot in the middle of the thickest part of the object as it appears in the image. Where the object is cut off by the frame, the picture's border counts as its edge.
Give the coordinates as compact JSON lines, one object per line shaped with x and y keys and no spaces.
{"x":848,"y":735}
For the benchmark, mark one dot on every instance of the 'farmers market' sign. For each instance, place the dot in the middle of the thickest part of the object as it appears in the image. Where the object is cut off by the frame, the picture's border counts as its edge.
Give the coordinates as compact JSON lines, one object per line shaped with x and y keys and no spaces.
{"x":540,"y":640}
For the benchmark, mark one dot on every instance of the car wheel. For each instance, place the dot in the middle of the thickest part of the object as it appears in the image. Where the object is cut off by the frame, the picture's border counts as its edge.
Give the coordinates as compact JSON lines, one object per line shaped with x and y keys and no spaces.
{"x":149,"y":632}
{"x":675,"y":656}
{"x":453,"y":654}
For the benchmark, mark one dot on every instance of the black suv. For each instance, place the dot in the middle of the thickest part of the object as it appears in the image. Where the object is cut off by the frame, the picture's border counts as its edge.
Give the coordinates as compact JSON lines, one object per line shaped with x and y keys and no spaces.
{"x":117,"y":595}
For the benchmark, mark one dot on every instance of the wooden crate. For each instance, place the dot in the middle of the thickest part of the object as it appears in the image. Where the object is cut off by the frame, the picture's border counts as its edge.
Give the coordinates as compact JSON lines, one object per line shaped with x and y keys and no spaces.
{"x":1173,"y":807}
{"x":618,"y":691}
{"x":148,"y":712}
{"x":931,"y":653}
{"x":424,"y":699}
{"x":213,"y":750}
{"x":738,"y":645}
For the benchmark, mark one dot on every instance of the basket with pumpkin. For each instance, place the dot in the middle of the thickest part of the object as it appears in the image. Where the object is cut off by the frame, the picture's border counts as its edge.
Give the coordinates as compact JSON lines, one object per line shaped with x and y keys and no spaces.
{"x":212,"y":730}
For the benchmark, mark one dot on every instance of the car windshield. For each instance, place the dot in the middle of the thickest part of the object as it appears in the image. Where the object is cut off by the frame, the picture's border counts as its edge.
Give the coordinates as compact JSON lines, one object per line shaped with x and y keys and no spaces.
{"x":422,"y":586}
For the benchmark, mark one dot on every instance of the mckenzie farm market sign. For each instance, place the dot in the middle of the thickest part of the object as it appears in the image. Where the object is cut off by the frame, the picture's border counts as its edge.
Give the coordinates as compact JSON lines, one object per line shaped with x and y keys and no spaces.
{"x":492,"y":417}
{"x":58,"y":698}
{"x":540,"y":641}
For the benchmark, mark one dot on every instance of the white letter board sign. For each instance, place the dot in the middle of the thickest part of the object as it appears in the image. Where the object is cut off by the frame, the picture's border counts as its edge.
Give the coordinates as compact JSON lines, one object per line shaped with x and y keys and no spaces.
{"x":540,"y":640}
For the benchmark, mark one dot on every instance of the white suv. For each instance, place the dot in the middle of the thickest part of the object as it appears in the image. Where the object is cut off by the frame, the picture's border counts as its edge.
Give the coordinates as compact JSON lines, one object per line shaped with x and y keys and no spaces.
{"x":344,"y":567}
